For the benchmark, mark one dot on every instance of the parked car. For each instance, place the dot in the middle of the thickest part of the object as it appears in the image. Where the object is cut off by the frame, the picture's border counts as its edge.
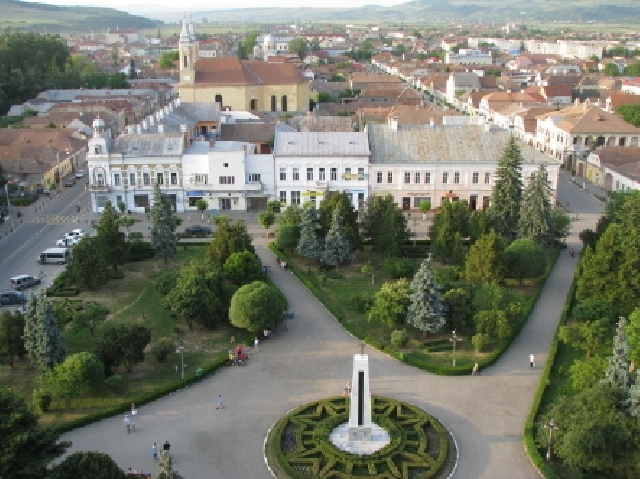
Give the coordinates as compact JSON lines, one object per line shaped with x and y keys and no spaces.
{"x":23,"y":281}
{"x":68,"y":241}
{"x":76,"y":234}
{"x":12,"y":297}
{"x":197,"y":231}
{"x":79,"y":173}
{"x":69,"y":182}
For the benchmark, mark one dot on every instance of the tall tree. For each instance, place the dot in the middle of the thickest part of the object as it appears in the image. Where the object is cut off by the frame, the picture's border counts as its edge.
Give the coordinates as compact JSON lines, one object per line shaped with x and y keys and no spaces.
{"x":257,"y":306}
{"x":348,"y":213}
{"x":617,"y":374}
{"x":79,"y":374}
{"x":299,"y":46}
{"x":288,"y":233}
{"x":504,"y":212}
{"x":28,"y":448}
{"x":11,"y":340}
{"x":42,"y":338}
{"x":88,"y":267}
{"x":229,"y":238}
{"x":536,"y":220}
{"x":90,"y":317}
{"x":525,"y":259}
{"x":484,"y":261}
{"x":111,"y":239}
{"x":87,"y":465}
{"x":427,"y":310}
{"x":123,"y":344}
{"x":390,"y":303}
{"x":337,"y":248}
{"x":386,"y":225}
{"x":309,"y":244}
{"x":450,"y":225}
{"x":163,"y":225}
{"x":243,"y":268}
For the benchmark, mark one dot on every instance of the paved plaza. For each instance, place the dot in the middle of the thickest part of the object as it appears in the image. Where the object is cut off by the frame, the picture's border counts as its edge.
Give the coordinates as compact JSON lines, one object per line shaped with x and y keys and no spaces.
{"x":313,"y":360}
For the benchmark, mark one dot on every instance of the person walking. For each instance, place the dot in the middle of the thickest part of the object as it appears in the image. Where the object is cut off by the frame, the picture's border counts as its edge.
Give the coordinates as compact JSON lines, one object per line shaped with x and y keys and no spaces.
{"x":532,"y":360}
{"x":127,"y":423}
{"x":154,"y":451}
{"x":255,"y":344}
{"x":220,"y":403}
{"x":166,"y":446}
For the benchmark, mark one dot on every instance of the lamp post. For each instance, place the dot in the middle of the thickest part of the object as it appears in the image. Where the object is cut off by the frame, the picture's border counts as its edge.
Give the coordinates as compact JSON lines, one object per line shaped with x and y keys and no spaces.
{"x":180,"y":349}
{"x":454,"y":339}
{"x":6,"y":189}
{"x":551,"y":426}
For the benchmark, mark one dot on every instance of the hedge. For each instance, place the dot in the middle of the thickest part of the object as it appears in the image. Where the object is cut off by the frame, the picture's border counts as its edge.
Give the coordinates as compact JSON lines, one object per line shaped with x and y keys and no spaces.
{"x":414,"y":359}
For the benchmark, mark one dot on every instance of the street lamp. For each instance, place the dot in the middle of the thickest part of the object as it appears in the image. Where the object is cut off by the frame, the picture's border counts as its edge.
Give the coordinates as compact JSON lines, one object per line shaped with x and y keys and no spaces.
{"x":454,"y":339}
{"x":551,"y":426}
{"x":180,"y":349}
{"x":6,"y":189}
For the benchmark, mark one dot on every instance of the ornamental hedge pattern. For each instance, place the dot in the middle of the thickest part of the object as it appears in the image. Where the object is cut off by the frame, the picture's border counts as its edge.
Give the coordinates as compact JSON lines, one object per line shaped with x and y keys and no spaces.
{"x":298,"y":445}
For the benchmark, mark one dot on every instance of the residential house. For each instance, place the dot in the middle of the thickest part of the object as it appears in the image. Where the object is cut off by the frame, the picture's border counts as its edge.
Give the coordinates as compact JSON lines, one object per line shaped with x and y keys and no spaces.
{"x":468,"y":57}
{"x":614,"y":168}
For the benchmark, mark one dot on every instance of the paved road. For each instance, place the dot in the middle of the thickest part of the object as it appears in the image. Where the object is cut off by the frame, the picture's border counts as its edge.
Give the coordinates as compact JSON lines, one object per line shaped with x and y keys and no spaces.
{"x":313,"y":360}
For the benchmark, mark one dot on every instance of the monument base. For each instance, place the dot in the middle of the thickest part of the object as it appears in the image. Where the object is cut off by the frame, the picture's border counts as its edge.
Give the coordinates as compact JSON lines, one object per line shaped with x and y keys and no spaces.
{"x":341,"y":437}
{"x":359,"y":434}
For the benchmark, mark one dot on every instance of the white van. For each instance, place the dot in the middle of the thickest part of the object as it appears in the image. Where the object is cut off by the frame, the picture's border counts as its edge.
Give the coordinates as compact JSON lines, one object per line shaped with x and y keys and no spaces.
{"x":55,"y":255}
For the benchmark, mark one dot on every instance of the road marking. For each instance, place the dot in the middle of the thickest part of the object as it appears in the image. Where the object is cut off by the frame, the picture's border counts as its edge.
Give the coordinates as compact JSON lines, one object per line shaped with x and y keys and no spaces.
{"x":55,"y":219}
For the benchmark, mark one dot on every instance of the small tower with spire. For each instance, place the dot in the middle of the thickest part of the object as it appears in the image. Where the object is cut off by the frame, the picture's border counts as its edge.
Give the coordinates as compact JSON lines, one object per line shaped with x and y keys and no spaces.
{"x":188,"y":47}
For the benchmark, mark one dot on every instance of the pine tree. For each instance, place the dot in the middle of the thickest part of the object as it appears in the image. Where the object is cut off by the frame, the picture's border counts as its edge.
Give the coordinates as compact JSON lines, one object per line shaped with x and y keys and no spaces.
{"x":42,"y":338}
{"x":309,"y":244}
{"x":633,"y":403}
{"x":618,"y":375}
{"x":506,"y":198}
{"x":337,"y":248}
{"x":536,"y":221}
{"x":163,"y":225}
{"x":427,"y":309}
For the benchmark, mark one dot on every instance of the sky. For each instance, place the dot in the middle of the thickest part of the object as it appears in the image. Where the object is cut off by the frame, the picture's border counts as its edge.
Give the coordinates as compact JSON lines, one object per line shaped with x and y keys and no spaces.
{"x":139,"y":6}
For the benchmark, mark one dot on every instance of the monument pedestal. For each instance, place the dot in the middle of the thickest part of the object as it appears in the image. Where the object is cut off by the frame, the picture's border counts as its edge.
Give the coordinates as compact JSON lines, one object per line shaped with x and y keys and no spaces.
{"x":359,"y":434}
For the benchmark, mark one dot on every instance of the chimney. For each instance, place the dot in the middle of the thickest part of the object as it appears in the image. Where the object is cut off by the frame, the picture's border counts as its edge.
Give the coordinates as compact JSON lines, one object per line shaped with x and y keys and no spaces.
{"x":432,"y":122}
{"x":144,"y":125}
{"x":160,"y":128}
{"x":183,"y":128}
{"x":394,"y":123}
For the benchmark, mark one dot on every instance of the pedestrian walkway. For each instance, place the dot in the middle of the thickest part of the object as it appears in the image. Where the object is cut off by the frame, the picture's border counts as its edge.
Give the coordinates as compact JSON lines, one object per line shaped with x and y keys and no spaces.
{"x":312,"y":359}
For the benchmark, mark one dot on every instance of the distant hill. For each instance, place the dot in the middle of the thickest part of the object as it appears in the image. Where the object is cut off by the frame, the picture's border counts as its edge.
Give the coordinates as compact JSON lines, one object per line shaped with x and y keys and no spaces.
{"x":439,"y":11}
{"x":43,"y":18}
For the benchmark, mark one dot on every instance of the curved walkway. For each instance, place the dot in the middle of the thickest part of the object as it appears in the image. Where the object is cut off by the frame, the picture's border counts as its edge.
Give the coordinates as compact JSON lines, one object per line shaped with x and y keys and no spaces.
{"x":313,"y":360}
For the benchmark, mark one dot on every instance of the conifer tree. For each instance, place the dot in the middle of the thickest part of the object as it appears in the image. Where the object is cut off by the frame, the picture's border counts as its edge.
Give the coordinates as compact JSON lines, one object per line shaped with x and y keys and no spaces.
{"x":309,"y":244}
{"x":42,"y":338}
{"x":427,"y":309}
{"x":337,"y":248}
{"x":163,"y":225}
{"x":506,"y":198}
{"x":484,"y":260}
{"x":617,"y":374}
{"x":536,"y":220}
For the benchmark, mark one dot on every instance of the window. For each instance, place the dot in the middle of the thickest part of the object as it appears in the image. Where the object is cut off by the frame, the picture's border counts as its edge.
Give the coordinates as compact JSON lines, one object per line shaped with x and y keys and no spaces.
{"x":347,"y":174}
{"x":379,"y":177}
{"x":174,"y":178}
{"x":334,"y":174}
{"x":427,"y":178}
{"x":227,"y":180}
{"x":309,"y":174}
{"x":201,"y":179}
{"x":418,"y":199}
{"x":146,"y":179}
{"x":274,"y":102}
{"x":101,"y":200}
{"x":417,"y":178}
{"x":254,"y":177}
{"x":295,"y":197}
{"x":456,"y":178}
{"x":487,"y":178}
{"x":296,"y":174}
{"x":226,"y":165}
{"x":445,"y":178}
{"x":160,"y":178}
{"x":390,"y":177}
{"x":283,"y":102}
{"x":360,"y":174}
{"x":407,"y":177}
{"x":283,"y":197}
{"x":116,"y":179}
{"x":132,"y":179}
{"x":283,"y":174}
{"x":475,"y":177}
{"x":321,"y":174}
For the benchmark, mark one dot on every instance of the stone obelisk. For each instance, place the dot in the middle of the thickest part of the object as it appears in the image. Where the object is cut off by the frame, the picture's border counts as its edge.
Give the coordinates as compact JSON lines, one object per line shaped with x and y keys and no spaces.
{"x":360,"y":405}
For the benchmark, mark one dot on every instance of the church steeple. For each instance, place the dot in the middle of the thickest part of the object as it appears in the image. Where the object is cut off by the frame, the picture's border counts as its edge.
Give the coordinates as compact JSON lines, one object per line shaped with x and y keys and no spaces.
{"x":188,"y":47}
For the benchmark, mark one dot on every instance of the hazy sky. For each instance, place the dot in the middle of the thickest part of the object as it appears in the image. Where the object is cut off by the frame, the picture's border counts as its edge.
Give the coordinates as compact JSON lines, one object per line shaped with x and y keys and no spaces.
{"x":137,"y":6}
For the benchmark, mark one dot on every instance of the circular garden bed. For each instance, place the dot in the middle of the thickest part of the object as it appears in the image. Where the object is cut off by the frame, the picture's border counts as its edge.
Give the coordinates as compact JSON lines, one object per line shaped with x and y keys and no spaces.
{"x":298,"y":445}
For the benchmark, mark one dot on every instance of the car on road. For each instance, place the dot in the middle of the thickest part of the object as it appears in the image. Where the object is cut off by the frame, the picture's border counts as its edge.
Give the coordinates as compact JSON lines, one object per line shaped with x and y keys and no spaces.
{"x":12,"y":297}
{"x":75,"y":234}
{"x":197,"y":231}
{"x":80,"y":174}
{"x":68,"y":241}
{"x":23,"y":281}
{"x":69,"y":182}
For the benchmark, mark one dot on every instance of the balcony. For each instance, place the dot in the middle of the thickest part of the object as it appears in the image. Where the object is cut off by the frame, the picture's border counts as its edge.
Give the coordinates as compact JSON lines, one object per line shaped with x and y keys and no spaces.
{"x":99,"y":188}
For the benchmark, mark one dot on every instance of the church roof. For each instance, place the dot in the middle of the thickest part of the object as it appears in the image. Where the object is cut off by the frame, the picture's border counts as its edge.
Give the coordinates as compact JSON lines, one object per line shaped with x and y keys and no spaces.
{"x":232,"y":71}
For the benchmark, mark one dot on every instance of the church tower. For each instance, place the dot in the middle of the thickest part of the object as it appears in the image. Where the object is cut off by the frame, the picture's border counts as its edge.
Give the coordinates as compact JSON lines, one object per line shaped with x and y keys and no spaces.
{"x":188,"y":48}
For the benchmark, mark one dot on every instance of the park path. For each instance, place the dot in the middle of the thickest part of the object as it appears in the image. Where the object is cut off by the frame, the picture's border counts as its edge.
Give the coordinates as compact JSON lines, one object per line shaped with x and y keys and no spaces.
{"x":313,"y":358}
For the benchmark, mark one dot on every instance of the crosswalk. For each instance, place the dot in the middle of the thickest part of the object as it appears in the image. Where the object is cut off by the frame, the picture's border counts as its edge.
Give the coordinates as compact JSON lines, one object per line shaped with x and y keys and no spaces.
{"x":55,"y":219}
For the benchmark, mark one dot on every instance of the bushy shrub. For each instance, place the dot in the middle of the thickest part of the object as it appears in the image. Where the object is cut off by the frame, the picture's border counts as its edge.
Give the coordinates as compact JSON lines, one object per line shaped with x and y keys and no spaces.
{"x":114,"y":384}
{"x":398,"y":268}
{"x":167,"y":281}
{"x":139,"y":251}
{"x":162,"y":349}
{"x":361,"y":302}
{"x":42,"y":400}
{"x":399,"y":338}
{"x":479,"y":342}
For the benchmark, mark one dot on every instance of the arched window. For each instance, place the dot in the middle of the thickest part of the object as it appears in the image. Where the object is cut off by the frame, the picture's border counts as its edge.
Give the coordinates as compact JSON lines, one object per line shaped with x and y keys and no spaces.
{"x":219,"y":100}
{"x":283,"y":103}
{"x":254,"y":105}
{"x":274,"y":103}
{"x":185,"y":61}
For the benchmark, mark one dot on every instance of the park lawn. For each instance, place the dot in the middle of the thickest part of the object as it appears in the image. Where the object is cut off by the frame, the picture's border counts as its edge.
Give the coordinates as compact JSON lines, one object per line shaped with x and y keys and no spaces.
{"x":132,"y":299}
